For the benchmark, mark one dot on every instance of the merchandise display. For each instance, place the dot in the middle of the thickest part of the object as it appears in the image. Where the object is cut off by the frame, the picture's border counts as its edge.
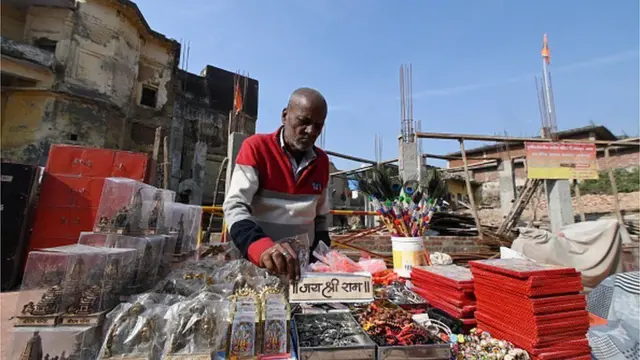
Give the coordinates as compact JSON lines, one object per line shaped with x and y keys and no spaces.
{"x":149,"y":256}
{"x":243,"y":333}
{"x":71,"y":284}
{"x":168,"y":250}
{"x":398,"y":293}
{"x":390,"y":325}
{"x":130,"y":207}
{"x":184,"y":223}
{"x":276,"y":317}
{"x":134,"y":332}
{"x":537,"y":307}
{"x":143,"y":289}
{"x":319,"y":336}
{"x":480,"y":345}
{"x":196,"y":327}
{"x":448,"y":288}
{"x":77,"y":343}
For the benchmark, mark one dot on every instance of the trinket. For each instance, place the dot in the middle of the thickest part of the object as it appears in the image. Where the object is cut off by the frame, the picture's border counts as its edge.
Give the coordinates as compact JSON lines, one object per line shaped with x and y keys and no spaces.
{"x":388,"y":327}
{"x":398,"y":293}
{"x":480,"y":345}
{"x":275,"y":322}
{"x":328,"y":330}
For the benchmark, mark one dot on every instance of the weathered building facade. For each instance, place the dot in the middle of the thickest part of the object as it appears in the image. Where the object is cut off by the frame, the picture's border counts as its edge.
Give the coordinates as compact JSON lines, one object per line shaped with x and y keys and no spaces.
{"x":200,"y":128}
{"x":89,"y":72}
{"x":94,"y":73}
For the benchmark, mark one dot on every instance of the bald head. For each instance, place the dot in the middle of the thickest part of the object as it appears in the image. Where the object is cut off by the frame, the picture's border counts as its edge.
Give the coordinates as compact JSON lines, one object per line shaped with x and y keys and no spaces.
{"x":308,"y":96}
{"x":303,"y":119}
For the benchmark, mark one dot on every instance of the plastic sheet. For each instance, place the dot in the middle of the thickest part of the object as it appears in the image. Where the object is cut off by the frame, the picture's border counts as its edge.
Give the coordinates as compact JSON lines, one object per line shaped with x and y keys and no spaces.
{"x":372,"y":265}
{"x":336,"y":261}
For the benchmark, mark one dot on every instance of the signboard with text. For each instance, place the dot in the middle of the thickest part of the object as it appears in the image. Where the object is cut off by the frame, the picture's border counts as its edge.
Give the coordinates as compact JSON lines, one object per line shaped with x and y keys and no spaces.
{"x":561,"y":161}
{"x":332,"y":287}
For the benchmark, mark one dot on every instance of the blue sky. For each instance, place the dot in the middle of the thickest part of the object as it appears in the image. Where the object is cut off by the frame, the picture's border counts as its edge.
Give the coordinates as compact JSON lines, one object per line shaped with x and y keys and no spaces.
{"x":474,"y":62}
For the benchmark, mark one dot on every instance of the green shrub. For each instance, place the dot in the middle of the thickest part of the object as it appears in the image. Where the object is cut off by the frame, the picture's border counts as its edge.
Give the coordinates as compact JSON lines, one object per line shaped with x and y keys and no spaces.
{"x":626,"y":181}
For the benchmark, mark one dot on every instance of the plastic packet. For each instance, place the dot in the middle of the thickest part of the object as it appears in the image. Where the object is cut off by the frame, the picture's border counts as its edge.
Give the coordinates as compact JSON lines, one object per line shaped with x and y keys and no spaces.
{"x":134,"y":330}
{"x":335,"y":260}
{"x":155,"y":298}
{"x":196,"y":327}
{"x":301,"y":245}
{"x":372,"y":265}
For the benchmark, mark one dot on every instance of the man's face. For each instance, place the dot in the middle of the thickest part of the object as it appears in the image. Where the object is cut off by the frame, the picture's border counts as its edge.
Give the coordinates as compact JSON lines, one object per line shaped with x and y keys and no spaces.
{"x":303,"y":121}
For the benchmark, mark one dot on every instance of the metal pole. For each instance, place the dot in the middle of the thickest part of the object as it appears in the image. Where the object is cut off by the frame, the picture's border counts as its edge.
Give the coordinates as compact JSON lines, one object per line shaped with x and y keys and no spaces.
{"x":472,"y":201}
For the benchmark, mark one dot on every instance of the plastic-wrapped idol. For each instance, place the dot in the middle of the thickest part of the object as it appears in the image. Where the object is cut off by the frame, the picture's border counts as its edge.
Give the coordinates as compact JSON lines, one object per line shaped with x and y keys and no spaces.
{"x":185,"y":223}
{"x":73,"y":285}
{"x":130,"y":207}
{"x":149,"y":256}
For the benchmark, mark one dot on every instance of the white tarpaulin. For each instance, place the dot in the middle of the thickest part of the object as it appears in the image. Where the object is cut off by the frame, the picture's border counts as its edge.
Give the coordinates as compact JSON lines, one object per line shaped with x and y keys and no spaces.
{"x":594,"y":248}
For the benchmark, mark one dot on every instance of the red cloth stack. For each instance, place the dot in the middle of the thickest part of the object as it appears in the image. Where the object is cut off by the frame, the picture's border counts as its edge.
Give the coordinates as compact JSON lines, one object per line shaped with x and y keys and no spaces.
{"x":448,"y":288}
{"x":537,"y":307}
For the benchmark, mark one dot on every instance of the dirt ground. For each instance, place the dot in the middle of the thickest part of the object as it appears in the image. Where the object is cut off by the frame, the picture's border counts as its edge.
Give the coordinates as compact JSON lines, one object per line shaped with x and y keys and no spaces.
{"x":590,"y":204}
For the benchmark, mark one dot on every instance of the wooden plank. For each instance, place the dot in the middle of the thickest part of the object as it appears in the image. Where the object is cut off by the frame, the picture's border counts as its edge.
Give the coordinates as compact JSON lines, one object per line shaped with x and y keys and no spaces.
{"x":472,"y":201}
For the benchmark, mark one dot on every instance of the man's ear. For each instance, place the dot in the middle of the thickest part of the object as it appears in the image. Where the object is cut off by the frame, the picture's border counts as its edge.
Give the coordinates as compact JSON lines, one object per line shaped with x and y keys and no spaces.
{"x":284,"y":114}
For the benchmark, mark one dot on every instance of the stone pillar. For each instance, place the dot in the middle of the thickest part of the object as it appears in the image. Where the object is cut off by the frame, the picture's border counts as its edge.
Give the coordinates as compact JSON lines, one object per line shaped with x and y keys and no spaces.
{"x":233,"y":148}
{"x":507,"y":183}
{"x":410,"y":162}
{"x":560,"y":206}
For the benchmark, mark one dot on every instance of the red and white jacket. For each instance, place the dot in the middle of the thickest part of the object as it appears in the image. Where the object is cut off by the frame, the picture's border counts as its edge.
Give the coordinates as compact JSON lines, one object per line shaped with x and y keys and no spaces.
{"x":268,"y":199}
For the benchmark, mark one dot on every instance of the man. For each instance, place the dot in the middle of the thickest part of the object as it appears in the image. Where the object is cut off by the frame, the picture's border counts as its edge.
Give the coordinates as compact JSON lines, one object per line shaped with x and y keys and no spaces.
{"x":279,"y":187}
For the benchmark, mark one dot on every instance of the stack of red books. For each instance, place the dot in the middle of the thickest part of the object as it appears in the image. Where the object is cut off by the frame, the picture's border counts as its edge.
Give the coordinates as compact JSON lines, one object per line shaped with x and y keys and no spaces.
{"x":448,"y":288}
{"x":537,"y":307}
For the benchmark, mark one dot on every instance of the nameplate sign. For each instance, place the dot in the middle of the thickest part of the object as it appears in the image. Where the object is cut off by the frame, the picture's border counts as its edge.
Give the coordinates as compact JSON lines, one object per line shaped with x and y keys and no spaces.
{"x":332,"y":287}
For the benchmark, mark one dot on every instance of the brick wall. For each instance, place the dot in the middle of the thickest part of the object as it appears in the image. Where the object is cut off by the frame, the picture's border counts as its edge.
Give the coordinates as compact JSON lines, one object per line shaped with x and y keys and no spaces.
{"x":620,"y":158}
{"x":446,"y":244}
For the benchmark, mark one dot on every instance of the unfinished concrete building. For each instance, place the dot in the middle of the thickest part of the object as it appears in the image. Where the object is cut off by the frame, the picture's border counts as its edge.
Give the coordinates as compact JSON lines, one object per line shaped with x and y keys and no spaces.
{"x":94,"y":73}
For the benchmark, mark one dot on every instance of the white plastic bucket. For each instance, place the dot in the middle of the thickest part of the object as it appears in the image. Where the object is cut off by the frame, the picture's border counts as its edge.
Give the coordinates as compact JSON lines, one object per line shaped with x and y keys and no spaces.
{"x":407,"y":253}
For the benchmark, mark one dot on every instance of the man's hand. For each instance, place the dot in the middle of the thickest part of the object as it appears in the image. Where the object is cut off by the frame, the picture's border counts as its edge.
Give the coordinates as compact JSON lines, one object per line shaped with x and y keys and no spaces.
{"x":281,"y":259}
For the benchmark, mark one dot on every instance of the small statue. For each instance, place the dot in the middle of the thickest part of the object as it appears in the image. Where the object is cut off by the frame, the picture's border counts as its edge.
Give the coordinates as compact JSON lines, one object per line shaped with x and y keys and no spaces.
{"x":110,"y":290}
{"x":88,"y":302}
{"x":204,"y":336}
{"x":121,"y":329}
{"x":180,"y":234}
{"x":48,"y":304}
{"x":119,"y":221}
{"x":157,"y":213}
{"x":33,"y":350}
{"x":145,"y":337}
{"x":103,"y":223}
{"x":28,"y":308}
{"x":135,"y":213}
{"x":144,"y":265}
